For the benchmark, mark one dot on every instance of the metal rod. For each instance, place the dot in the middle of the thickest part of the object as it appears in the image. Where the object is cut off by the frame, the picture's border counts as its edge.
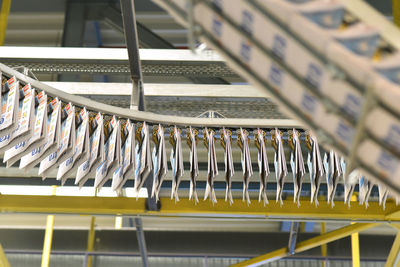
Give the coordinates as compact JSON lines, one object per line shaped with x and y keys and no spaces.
{"x":3,"y":259}
{"x":355,"y":244}
{"x":396,"y":12}
{"x":5,"y":11}
{"x":294,"y":229}
{"x":91,"y":238}
{"x":393,"y":258}
{"x":307,"y":244}
{"x":324,"y":247}
{"x":48,"y":237}
{"x":141,"y":241}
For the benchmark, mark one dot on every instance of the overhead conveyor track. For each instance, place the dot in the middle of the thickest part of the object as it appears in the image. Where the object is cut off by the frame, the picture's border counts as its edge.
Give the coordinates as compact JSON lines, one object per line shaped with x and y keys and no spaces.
{"x":308,"y":66}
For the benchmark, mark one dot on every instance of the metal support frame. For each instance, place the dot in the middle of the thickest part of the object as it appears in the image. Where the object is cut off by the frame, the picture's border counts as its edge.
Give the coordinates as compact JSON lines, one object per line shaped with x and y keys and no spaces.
{"x":48,"y":237}
{"x":393,"y":258}
{"x":148,"y":116}
{"x":3,"y":259}
{"x":324,"y":247}
{"x":90,"y":245}
{"x":132,"y":43}
{"x":141,"y":241}
{"x":355,"y":244}
{"x":294,"y":229}
{"x":4,"y":12}
{"x":74,"y":24}
{"x":355,"y":250}
{"x":308,"y":244}
{"x":396,"y":12}
{"x":149,"y":39}
{"x":186,"y":208}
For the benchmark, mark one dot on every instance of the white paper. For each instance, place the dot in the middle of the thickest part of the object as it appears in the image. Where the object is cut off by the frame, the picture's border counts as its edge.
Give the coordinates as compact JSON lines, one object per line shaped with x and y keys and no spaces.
{"x":297,"y":164}
{"x":160,"y":165}
{"x":226,"y":142}
{"x":212,"y":170}
{"x":194,"y":164}
{"x":39,"y":129}
{"x":247,"y":168}
{"x":263,"y":167}
{"x":144,"y":164}
{"x":333,"y":172}
{"x":65,"y":145}
{"x":96,"y":155}
{"x":24,"y":120}
{"x":9,"y":108}
{"x":280,"y":164}
{"x":112,"y":152}
{"x":49,"y":137}
{"x":315,"y":167}
{"x":176,"y":161}
{"x":127,"y":164}
{"x":81,"y":148}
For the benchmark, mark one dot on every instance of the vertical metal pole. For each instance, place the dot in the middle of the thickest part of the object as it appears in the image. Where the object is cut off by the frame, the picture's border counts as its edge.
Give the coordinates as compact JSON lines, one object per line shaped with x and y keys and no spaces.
{"x":3,"y":259}
{"x":5,"y":11}
{"x":324,"y":247}
{"x":355,"y":244}
{"x":132,"y":43}
{"x":48,"y":237}
{"x":141,"y":241}
{"x":294,"y":229}
{"x":91,"y":238}
{"x":396,"y":12}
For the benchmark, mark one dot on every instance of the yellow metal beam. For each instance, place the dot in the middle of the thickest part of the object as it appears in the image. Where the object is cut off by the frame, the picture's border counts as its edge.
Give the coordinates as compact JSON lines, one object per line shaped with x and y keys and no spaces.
{"x":308,"y":244}
{"x":355,"y":250}
{"x":3,"y":259}
{"x":48,"y":237}
{"x":355,"y":244}
{"x":4,"y":12}
{"x":396,"y":12}
{"x":91,"y":238}
{"x":393,"y":259}
{"x":324,"y":247}
{"x":130,"y":206}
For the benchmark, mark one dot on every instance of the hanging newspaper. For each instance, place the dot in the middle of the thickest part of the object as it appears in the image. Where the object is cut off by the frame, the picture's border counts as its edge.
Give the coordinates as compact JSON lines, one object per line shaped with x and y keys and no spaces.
{"x":192,"y":140}
{"x":365,"y":188}
{"x":212,"y":170}
{"x":66,"y":144}
{"x":279,"y":163}
{"x":243,"y":141}
{"x":25,"y":119}
{"x":112,"y":149}
{"x":226,"y":142}
{"x":350,"y":182}
{"x":260,"y":140}
{"x":81,"y":149}
{"x":297,"y":164}
{"x":333,"y":172}
{"x":383,"y":194}
{"x":9,"y":108}
{"x":97,"y":154}
{"x":315,"y":166}
{"x":48,"y":134}
{"x":160,"y":164}
{"x":127,"y":163}
{"x":36,"y":134}
{"x":144,"y":164}
{"x":176,"y":161}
